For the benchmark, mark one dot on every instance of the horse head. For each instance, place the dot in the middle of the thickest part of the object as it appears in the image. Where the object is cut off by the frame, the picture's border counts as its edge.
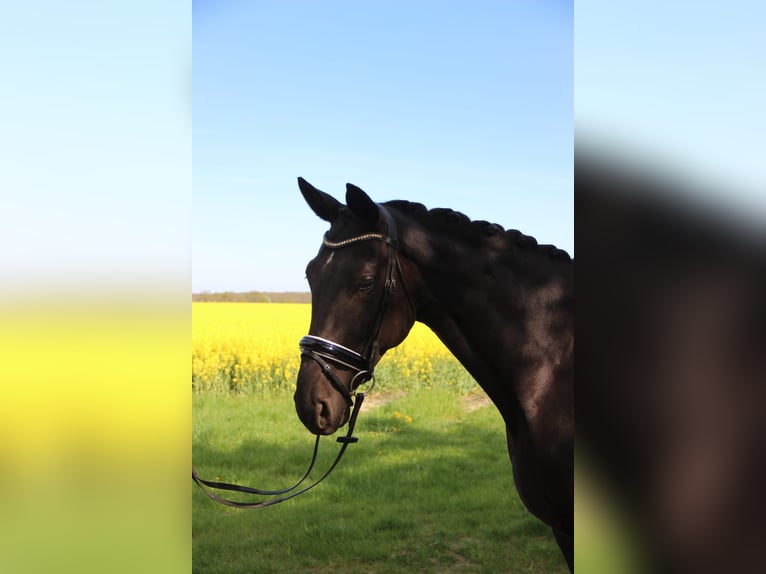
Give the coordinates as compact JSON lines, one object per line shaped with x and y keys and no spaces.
{"x":359,"y":305}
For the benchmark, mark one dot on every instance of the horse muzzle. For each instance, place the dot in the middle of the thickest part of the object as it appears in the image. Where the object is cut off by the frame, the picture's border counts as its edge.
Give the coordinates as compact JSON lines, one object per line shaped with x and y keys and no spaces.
{"x":320,"y":407}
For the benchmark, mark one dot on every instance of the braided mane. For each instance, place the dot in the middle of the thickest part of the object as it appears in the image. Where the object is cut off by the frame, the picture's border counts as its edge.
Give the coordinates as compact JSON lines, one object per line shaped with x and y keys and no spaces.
{"x":461,"y":223}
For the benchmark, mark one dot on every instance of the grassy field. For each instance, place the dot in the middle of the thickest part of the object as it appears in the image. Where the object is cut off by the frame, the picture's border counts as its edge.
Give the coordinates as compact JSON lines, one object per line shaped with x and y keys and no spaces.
{"x":427,"y":489}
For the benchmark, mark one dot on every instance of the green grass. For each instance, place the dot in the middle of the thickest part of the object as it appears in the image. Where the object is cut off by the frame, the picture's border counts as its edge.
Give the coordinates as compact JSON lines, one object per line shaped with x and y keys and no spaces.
{"x":432,"y":495}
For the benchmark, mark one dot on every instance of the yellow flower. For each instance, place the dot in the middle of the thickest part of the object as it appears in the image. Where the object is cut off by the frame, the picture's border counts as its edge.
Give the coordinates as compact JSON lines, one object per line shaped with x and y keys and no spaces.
{"x":252,"y":348}
{"x":408,"y":419}
{"x":397,"y":415}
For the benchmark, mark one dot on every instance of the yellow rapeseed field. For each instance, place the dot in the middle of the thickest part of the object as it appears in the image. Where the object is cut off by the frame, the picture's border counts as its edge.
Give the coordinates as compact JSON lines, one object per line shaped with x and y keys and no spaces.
{"x":253,"y":348}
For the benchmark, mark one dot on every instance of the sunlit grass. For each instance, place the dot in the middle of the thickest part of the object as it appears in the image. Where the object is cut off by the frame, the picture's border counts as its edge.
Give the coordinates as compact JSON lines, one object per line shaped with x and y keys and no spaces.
{"x":427,"y":489}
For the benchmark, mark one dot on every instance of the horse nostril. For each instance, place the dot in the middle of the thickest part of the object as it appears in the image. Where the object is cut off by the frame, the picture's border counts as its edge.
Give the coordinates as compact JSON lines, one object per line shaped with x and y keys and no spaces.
{"x":323,"y":414}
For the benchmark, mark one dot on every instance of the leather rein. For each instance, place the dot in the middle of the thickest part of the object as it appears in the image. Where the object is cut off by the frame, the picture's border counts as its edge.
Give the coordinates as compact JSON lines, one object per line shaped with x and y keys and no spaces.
{"x":324,"y":352}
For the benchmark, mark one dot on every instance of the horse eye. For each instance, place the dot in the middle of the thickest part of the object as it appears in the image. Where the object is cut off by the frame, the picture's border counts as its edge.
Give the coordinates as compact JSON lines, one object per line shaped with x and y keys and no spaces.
{"x":366,"y":283}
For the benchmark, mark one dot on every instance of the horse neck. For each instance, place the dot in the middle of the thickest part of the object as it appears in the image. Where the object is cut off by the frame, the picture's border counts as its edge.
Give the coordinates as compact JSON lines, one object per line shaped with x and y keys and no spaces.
{"x":497,"y":310}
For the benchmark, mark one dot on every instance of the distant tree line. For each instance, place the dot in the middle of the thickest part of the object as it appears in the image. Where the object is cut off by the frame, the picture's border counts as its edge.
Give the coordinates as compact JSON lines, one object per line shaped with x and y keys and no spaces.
{"x":251,"y":297}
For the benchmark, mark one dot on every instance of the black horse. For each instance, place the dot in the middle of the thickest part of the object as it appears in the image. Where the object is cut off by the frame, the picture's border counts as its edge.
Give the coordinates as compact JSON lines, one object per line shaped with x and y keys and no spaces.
{"x":500,"y":302}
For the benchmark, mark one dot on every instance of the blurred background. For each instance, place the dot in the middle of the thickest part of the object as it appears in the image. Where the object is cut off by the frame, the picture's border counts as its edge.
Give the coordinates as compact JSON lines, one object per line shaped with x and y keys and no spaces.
{"x":95,"y":266}
{"x":670,"y":214}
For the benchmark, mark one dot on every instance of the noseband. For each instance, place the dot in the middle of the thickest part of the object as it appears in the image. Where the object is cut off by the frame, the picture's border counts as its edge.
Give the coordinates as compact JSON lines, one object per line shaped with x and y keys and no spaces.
{"x":323,"y":350}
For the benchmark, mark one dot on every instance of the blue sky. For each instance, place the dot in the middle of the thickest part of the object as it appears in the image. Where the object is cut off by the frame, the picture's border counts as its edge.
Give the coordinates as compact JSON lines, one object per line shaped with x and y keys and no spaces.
{"x":453,"y":104}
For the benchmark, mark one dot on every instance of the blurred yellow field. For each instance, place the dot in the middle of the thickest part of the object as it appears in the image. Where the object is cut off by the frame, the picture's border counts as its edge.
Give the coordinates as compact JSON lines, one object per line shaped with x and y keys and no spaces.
{"x":253,"y":348}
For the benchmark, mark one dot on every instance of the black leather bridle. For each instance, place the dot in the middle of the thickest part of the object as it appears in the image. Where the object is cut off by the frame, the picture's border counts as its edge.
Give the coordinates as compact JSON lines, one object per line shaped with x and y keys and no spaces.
{"x":324,"y":352}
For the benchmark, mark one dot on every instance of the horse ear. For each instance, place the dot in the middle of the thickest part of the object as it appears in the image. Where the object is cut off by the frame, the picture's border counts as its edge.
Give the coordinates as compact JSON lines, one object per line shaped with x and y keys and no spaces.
{"x":360,"y":204}
{"x":323,"y":204}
